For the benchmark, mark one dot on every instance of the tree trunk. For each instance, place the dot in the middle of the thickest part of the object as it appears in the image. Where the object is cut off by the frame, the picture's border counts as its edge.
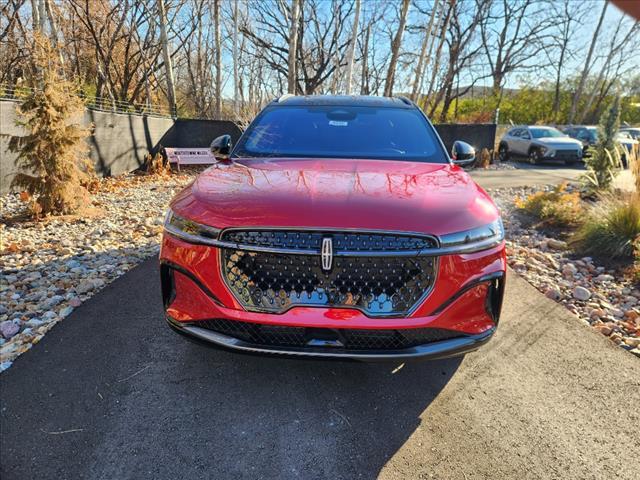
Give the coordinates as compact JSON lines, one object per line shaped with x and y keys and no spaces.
{"x":216,"y":26}
{"x":556,"y":93}
{"x":423,"y":61}
{"x":293,"y":46}
{"x":436,"y":65}
{"x":171,"y":91}
{"x":42,"y":15}
{"x":395,"y":49}
{"x":587,"y":65}
{"x":352,"y":48}
{"x":35,"y":17}
{"x":236,"y":95}
{"x":364,"y":83}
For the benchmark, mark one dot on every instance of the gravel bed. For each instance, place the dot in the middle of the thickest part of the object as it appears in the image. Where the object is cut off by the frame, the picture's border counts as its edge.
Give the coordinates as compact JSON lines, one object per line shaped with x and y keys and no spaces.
{"x":500,"y":166}
{"x":48,"y":268}
{"x":599,"y":297}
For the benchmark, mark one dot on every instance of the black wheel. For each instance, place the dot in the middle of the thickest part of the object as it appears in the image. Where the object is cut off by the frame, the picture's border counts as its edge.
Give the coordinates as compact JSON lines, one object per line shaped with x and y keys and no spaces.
{"x":503,"y":153}
{"x":534,"y":156}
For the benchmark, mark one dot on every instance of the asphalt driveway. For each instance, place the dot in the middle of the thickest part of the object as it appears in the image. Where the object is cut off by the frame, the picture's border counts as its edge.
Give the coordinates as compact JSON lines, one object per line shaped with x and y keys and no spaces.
{"x":113,"y":393}
{"x":526,"y":175}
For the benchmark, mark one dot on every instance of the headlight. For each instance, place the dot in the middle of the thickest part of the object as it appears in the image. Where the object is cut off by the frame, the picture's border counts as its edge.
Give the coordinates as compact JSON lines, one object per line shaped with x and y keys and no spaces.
{"x":188,"y":229}
{"x":475,"y":239}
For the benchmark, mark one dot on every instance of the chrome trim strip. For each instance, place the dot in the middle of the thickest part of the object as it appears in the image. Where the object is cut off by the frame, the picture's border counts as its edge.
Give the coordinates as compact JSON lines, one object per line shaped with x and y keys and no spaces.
{"x":442,"y":349}
{"x":430,"y":252}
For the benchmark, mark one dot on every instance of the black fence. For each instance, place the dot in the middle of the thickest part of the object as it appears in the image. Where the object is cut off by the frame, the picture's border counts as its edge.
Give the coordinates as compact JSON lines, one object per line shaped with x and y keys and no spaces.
{"x":190,"y":133}
{"x":480,"y":135}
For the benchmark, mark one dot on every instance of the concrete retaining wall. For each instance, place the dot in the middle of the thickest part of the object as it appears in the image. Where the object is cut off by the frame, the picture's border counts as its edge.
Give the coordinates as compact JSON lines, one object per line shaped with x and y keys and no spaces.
{"x":119,"y":142}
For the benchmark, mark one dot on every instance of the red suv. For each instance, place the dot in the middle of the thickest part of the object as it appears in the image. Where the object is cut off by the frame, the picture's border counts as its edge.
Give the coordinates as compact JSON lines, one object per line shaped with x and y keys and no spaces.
{"x":336,"y":227}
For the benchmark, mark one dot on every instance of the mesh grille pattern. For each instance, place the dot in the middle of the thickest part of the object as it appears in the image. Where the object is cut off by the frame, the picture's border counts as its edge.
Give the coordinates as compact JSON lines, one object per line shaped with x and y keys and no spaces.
{"x":342,"y":241}
{"x":285,"y":336}
{"x":273,"y":282}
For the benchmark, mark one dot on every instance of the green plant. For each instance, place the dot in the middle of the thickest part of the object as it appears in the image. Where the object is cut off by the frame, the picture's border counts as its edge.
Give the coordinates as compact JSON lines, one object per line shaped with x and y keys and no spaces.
{"x":604,"y":162}
{"x":612,"y":228}
{"x":52,"y":156}
{"x":557,"y":207}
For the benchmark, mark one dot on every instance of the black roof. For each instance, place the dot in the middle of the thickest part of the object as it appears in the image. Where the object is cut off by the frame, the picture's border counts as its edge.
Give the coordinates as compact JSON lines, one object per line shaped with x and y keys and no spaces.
{"x":343,"y":101}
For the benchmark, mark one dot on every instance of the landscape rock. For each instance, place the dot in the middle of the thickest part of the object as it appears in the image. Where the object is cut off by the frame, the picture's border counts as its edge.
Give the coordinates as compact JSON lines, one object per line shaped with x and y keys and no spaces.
{"x":556,"y":244}
{"x":581,"y":293}
{"x":9,"y":328}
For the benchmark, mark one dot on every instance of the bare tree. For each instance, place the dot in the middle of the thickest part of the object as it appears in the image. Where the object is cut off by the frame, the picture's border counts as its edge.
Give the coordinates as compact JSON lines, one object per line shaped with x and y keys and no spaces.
{"x":513,"y":36}
{"x":570,"y":15}
{"x":587,"y":65}
{"x":171,"y":90}
{"x":425,"y":52}
{"x":395,"y":49}
{"x":441,"y":42}
{"x":616,"y":46}
{"x":462,"y":51}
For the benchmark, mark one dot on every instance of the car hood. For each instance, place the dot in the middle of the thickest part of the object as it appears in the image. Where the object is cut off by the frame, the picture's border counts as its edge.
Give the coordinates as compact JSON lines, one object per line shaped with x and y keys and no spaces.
{"x":336,"y":193}
{"x":559,"y":142}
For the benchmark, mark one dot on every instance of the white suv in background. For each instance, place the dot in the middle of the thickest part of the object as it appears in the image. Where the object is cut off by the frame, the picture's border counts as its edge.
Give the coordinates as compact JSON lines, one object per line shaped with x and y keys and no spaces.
{"x":539,"y":143}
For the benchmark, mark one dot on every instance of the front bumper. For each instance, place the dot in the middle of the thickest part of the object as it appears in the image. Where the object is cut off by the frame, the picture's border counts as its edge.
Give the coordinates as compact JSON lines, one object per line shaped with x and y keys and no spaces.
{"x":563,"y":156}
{"x":466,"y":301}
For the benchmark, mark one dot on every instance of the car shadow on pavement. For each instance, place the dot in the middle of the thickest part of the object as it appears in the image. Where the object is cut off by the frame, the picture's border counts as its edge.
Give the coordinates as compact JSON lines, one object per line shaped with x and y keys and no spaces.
{"x":112,"y":392}
{"x":312,"y":419}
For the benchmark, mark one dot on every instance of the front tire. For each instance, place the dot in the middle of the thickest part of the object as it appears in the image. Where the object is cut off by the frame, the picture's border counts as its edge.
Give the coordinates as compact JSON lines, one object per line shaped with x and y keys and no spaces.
{"x":503,"y":153}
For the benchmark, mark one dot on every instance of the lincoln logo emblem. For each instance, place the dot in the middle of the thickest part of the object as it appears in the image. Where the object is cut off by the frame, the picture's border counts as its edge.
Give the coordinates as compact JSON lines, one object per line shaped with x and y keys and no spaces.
{"x":327,"y":253}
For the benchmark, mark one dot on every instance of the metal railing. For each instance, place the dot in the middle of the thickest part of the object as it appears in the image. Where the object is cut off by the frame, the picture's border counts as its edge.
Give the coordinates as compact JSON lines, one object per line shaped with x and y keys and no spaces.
{"x":102,"y":104}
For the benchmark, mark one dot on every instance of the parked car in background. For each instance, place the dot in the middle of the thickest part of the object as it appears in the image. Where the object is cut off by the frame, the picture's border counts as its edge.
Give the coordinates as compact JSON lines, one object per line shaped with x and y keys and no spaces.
{"x":538,"y":144}
{"x":338,"y":226}
{"x":588,"y":135}
{"x":629,"y":146}
{"x":634,"y":132}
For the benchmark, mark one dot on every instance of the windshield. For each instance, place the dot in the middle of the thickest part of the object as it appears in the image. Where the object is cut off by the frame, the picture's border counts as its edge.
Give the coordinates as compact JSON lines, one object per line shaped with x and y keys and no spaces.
{"x":546,"y":132}
{"x":341,"y":132}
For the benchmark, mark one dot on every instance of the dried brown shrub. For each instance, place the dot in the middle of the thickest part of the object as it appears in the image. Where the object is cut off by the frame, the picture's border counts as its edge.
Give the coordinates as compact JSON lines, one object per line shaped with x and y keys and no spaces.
{"x":155,"y":165}
{"x":52,"y":156}
{"x":484,"y":159}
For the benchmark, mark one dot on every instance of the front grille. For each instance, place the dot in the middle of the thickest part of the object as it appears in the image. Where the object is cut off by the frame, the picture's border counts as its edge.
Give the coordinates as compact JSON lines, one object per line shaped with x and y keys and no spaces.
{"x":286,"y":336}
{"x":567,"y":154}
{"x":378,"y":285}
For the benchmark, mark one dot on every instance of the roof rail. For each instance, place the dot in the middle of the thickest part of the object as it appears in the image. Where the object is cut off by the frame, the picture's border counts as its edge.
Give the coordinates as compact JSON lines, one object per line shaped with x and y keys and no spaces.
{"x":282,"y":98}
{"x":405,"y":100}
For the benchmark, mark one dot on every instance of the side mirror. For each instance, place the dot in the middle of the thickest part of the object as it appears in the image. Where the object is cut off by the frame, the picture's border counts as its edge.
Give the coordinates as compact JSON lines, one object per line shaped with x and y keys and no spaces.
{"x":221,"y":147}
{"x":463,"y":154}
